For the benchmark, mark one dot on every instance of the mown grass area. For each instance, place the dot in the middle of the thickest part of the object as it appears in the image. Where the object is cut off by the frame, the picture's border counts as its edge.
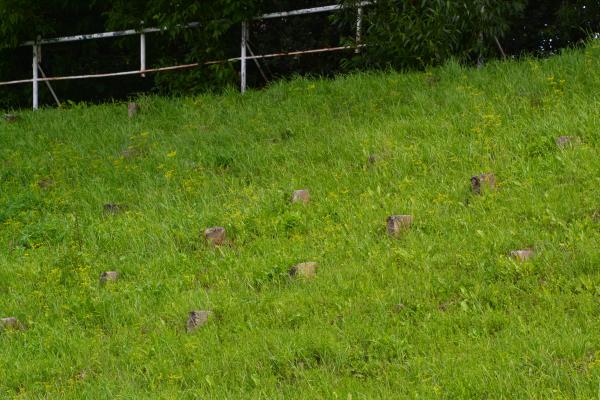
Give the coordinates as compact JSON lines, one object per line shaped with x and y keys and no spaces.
{"x":441,"y":312}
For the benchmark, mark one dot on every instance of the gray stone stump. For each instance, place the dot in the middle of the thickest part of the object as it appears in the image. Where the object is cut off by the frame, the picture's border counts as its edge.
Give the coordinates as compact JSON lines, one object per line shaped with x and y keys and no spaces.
{"x":10,"y":118}
{"x":215,"y":235}
{"x":522,"y":255}
{"x":11,"y":323}
{"x":196,"y":319}
{"x":132,"y":109}
{"x":109,"y":276}
{"x":564,"y":142}
{"x":301,"y":196}
{"x":304,"y":270}
{"x":483,"y":183}
{"x":397,"y":224}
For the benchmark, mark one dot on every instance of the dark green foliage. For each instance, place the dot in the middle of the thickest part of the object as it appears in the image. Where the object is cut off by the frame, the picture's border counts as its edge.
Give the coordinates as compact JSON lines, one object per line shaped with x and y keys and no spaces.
{"x":547,"y":26}
{"x":420,"y":33}
{"x":399,"y":33}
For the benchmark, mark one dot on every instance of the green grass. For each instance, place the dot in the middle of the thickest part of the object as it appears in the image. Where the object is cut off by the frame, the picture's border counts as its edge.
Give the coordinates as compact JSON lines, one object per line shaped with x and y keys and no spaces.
{"x":474,"y":324}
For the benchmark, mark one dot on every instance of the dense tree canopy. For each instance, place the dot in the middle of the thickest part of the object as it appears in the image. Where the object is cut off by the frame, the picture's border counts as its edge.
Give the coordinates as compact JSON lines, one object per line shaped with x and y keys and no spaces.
{"x":399,"y":33}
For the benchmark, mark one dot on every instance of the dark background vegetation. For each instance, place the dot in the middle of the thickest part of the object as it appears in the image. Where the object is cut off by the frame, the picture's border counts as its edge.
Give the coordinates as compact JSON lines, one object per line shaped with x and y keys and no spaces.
{"x":400,"y":34}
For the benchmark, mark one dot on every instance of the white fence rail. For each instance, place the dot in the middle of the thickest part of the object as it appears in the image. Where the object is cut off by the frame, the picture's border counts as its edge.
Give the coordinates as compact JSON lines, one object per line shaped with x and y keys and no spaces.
{"x":243,"y":58}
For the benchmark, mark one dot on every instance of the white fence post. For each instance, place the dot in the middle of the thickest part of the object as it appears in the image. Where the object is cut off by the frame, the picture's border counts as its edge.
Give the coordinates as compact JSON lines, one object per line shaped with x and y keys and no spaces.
{"x":243,"y":56}
{"x":358,"y":29}
{"x":35,"y":76}
{"x":143,"y":54}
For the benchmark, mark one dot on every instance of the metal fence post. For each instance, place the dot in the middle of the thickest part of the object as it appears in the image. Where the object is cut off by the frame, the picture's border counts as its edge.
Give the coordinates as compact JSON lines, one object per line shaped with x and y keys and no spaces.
{"x":35,"y":76}
{"x":243,"y":56}
{"x":143,"y":54}
{"x":358,"y":28}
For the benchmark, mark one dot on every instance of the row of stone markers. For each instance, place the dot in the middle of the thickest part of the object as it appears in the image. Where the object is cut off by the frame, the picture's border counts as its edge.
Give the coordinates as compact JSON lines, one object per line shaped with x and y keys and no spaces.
{"x":396,"y":225}
{"x":215,"y":236}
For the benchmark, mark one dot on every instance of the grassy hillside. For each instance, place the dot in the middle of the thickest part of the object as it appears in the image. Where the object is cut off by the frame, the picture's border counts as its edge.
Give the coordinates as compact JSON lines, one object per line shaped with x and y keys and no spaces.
{"x":440,"y":312}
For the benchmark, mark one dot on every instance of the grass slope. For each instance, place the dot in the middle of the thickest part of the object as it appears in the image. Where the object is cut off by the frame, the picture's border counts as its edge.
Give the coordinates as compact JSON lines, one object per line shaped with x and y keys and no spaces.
{"x":472,"y":323}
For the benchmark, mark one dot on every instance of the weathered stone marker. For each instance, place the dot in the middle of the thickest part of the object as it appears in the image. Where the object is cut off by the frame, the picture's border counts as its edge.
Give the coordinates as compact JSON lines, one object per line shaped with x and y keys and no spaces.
{"x":483,"y":183}
{"x":564,"y":142}
{"x":109,"y":276}
{"x":132,"y":109}
{"x":215,"y":235}
{"x":81,"y":375}
{"x":130,"y":152}
{"x":522,"y":255}
{"x":112,"y":208}
{"x":11,"y":323}
{"x":399,"y":307}
{"x":45,"y":183}
{"x":396,"y":224}
{"x":301,"y":196}
{"x":304,"y":270}
{"x":196,"y":319}
{"x":10,"y":118}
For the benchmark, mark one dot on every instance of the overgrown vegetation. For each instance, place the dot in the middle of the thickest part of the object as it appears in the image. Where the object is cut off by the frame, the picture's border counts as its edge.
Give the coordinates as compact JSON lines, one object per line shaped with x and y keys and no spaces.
{"x":398,"y":33}
{"x":441,"y":312}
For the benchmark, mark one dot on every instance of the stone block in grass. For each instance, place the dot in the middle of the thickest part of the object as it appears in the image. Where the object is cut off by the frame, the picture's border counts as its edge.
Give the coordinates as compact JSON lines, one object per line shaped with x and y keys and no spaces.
{"x":215,"y":235}
{"x":564,"y":142}
{"x":304,"y":270}
{"x":432,"y":80}
{"x":109,"y":276}
{"x":396,"y":224}
{"x":132,"y":109}
{"x":197,"y":318}
{"x":398,"y":308}
{"x":483,"y":183}
{"x":112,"y":208}
{"x":131,"y":152}
{"x":301,"y":196}
{"x":81,"y":375}
{"x":45,"y":183}
{"x":522,"y":255}
{"x":11,"y":323}
{"x":10,"y":118}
